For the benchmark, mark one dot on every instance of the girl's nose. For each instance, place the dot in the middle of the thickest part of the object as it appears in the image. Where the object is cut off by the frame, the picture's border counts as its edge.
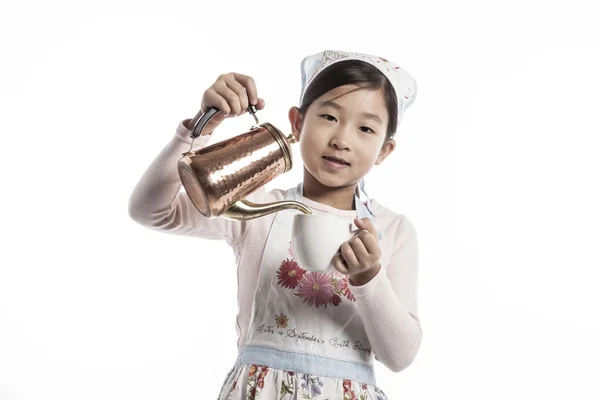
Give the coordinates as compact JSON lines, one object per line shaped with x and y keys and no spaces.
{"x":339,"y":139}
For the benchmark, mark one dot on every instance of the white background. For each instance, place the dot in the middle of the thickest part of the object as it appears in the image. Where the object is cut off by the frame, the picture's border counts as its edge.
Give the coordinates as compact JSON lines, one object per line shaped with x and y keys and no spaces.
{"x":497,"y":166}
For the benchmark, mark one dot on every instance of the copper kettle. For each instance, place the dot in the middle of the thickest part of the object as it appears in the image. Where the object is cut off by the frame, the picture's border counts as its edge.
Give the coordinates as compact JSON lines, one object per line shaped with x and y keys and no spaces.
{"x":217,"y":178}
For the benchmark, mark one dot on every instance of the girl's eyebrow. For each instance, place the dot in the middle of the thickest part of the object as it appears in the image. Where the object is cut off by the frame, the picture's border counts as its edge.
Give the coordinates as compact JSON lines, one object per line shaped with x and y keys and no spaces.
{"x":338,"y":107}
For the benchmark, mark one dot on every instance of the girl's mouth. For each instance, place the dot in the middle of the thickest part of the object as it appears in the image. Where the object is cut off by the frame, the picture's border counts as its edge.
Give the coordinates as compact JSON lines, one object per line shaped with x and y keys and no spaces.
{"x":336,"y":160}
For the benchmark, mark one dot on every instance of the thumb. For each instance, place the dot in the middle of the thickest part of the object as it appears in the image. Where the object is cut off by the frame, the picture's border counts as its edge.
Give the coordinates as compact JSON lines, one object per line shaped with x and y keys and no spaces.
{"x":260,"y":104}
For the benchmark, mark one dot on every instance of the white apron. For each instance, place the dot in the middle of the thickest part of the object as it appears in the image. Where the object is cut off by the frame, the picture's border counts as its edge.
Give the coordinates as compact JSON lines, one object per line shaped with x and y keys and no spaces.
{"x":306,"y":339}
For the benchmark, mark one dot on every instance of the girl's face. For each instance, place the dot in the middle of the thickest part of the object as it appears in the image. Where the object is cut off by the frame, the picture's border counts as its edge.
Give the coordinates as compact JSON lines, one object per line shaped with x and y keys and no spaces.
{"x":343,"y":134}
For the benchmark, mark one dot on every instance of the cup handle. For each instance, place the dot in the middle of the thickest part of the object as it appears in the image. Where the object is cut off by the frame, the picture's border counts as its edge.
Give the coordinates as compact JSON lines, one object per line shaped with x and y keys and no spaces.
{"x":355,"y":232}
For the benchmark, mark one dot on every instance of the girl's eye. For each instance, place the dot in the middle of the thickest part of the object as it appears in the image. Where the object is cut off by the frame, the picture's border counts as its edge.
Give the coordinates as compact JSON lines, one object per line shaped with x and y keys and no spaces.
{"x":328,"y":117}
{"x":366,"y":129}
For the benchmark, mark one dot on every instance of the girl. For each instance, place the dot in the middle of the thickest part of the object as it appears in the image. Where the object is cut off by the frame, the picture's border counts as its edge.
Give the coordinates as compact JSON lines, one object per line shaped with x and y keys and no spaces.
{"x":308,"y":334}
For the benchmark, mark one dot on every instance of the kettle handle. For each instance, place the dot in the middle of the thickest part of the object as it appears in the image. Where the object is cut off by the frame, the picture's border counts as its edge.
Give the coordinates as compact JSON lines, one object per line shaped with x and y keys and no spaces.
{"x":207,"y":116}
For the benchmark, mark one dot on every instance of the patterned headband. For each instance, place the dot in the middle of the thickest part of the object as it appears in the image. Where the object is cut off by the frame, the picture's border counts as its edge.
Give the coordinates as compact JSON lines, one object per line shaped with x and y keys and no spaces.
{"x":403,"y":83}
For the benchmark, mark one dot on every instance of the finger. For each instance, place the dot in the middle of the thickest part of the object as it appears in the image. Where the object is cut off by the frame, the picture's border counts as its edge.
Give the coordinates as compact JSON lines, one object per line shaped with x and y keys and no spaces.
{"x":367,"y":224}
{"x":240,"y":91}
{"x":259,"y":106}
{"x":250,"y":86}
{"x":339,"y":264}
{"x":370,"y":242}
{"x":359,"y":249}
{"x":349,"y":257}
{"x":213,"y":99}
{"x":232,"y":98}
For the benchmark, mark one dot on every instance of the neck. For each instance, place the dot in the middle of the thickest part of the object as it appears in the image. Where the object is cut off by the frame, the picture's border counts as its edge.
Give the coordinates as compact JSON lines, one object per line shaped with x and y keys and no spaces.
{"x":341,"y":198}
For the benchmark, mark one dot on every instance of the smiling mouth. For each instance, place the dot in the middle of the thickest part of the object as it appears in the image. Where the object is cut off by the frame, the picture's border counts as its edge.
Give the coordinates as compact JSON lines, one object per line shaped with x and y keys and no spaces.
{"x":336,"y":160}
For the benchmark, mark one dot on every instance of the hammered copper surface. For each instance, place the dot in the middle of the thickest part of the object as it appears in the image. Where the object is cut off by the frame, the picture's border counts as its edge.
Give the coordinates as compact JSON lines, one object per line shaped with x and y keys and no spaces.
{"x":219,"y":175}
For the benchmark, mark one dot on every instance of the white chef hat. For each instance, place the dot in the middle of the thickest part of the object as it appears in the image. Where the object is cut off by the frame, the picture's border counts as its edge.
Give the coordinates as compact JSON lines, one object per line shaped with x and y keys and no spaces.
{"x":403,"y":83}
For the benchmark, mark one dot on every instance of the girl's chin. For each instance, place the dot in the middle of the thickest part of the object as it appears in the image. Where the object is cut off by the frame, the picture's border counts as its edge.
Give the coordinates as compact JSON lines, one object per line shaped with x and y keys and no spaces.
{"x":328,"y":180}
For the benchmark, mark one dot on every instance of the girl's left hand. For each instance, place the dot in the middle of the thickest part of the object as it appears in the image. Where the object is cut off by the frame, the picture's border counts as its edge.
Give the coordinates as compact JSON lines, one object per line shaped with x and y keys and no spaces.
{"x":359,"y":257}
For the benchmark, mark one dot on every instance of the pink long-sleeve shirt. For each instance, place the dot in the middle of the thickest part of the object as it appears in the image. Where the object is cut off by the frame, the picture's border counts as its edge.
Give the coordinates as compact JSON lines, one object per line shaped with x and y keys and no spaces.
{"x":387,"y":304}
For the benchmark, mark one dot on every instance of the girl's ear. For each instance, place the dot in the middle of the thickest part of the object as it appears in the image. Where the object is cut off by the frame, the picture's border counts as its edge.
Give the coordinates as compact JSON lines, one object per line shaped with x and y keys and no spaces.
{"x":295,"y":122}
{"x":387,"y":149}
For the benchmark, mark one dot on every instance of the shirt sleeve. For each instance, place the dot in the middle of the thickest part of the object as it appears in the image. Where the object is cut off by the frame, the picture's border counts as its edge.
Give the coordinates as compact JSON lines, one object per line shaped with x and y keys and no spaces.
{"x":158,"y":201}
{"x":388,"y":304}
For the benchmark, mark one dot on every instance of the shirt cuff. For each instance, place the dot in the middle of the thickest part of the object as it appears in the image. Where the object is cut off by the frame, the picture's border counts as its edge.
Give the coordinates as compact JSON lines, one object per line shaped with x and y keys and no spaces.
{"x":184,"y":134}
{"x":370,"y":287}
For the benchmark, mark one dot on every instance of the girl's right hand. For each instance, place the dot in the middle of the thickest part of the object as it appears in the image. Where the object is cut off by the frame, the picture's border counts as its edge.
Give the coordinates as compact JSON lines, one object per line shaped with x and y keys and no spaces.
{"x":232,"y":94}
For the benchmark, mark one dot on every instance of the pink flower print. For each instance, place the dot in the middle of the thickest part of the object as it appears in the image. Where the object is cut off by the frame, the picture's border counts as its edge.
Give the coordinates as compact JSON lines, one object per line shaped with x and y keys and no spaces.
{"x":254,"y":384}
{"x":316,"y":289}
{"x":289,"y":274}
{"x":335,"y":282}
{"x":346,"y":290}
{"x":252,"y":370}
{"x":261,"y":379}
{"x":336,"y":300}
{"x":347,"y":385}
{"x":348,"y":392}
{"x":291,"y":251}
{"x":264,"y":372}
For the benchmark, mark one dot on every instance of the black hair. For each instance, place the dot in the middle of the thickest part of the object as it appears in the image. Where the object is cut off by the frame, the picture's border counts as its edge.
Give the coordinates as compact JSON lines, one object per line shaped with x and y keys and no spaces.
{"x":353,"y":72}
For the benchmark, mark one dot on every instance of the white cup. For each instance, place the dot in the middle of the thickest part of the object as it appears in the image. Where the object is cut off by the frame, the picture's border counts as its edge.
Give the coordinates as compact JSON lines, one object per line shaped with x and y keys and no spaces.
{"x":317,"y":238}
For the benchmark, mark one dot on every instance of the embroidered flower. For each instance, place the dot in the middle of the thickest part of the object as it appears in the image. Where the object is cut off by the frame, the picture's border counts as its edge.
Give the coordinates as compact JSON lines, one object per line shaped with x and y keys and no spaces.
{"x":281,"y":320}
{"x":289,"y":274}
{"x":316,"y":288}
